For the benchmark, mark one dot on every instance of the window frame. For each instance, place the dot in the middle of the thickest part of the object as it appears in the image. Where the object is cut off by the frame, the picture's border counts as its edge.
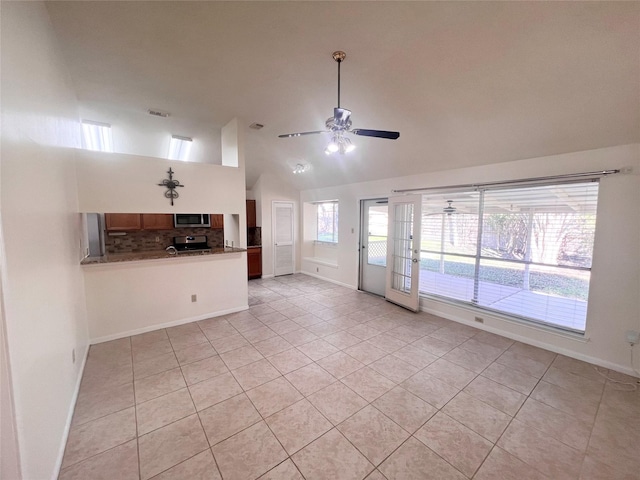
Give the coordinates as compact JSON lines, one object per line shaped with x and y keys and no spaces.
{"x":97,"y":136}
{"x":478,"y":257}
{"x":334,"y":222}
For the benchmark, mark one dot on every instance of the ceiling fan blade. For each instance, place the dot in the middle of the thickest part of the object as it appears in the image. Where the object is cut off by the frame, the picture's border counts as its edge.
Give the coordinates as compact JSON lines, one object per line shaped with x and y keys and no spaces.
{"x":287,"y":135}
{"x":376,"y":133}
{"x":341,"y":117}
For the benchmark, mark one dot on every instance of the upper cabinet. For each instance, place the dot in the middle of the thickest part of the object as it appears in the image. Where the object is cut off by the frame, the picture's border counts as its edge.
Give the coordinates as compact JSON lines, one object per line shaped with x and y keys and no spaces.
{"x":122,"y":221}
{"x":251,"y":213}
{"x":157,"y":221}
{"x":217,"y":220}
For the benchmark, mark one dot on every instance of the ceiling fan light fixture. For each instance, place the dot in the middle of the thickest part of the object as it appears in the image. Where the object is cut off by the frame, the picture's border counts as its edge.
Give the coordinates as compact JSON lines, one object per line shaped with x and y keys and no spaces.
{"x":334,"y":145}
{"x":348,"y":146}
{"x":300,"y":168}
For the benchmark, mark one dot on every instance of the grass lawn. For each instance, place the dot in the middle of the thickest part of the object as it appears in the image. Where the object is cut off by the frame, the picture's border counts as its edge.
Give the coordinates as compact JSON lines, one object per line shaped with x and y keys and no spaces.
{"x":568,"y":286}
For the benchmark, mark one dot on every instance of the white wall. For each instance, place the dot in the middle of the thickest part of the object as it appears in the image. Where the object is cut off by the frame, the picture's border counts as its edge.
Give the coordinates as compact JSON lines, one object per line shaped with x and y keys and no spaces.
{"x":41,"y":278}
{"x":123,"y":299}
{"x":615,"y":281}
{"x":269,"y":189}
{"x":129,"y":298}
{"x":113,"y":182}
{"x":135,"y":132}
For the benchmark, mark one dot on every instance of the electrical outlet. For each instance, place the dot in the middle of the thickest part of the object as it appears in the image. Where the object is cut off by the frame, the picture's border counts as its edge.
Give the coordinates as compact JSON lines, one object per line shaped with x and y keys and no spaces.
{"x":157,"y":239}
{"x":73,"y":355}
{"x":632,"y":337}
{"x":117,"y":241}
{"x":479,"y":319}
{"x":194,"y":298}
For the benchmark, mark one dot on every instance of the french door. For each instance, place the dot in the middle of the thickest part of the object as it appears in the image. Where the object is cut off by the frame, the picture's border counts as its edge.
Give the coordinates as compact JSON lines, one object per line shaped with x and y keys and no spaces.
{"x":403,"y":251}
{"x":373,"y":245}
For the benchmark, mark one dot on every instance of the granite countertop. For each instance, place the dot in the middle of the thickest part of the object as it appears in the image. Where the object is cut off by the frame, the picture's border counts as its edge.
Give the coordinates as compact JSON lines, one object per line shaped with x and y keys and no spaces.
{"x":254,"y":246}
{"x":155,"y":255}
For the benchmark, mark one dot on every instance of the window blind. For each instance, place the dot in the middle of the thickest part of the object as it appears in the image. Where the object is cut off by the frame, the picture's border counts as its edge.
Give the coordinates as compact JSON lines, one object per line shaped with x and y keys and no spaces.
{"x":524,"y":251}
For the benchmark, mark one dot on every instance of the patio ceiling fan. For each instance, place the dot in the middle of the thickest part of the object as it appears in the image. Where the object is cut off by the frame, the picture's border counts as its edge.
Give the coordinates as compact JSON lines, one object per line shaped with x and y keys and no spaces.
{"x":340,"y":124}
{"x":449,"y":209}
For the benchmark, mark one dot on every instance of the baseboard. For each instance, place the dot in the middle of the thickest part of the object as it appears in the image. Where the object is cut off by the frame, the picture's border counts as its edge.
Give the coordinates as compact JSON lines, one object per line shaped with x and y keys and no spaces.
{"x":72,"y":408}
{"x":329,"y":280}
{"x":536,"y":343}
{"x":267,"y":276}
{"x":174,"y":323}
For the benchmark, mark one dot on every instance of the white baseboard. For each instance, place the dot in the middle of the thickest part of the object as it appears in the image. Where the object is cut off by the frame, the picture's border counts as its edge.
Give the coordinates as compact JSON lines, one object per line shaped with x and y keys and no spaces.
{"x":72,"y":408}
{"x":329,"y":280}
{"x":536,"y":343}
{"x":174,"y":323}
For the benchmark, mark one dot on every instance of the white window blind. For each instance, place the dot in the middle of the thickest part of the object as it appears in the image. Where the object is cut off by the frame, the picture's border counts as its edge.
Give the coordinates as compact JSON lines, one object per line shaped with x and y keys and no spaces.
{"x":524,"y":251}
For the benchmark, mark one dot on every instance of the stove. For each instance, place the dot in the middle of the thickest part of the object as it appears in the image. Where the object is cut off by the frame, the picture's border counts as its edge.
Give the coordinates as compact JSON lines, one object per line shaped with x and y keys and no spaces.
{"x":196,"y":243}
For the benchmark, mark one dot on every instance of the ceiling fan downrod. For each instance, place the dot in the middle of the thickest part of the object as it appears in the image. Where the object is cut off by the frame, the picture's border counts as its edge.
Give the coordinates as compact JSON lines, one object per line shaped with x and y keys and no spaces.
{"x":339,"y":57}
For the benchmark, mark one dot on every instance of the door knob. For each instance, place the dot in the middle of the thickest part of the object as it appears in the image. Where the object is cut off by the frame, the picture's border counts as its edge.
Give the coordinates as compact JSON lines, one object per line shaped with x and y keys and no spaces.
{"x":415,"y":260}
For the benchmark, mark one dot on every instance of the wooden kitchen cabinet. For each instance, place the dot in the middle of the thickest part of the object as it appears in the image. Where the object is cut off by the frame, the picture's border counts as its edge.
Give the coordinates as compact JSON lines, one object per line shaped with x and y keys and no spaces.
{"x":217,"y":220}
{"x":157,"y":221}
{"x":254,"y":262}
{"x":121,"y":222}
{"x":251,"y":213}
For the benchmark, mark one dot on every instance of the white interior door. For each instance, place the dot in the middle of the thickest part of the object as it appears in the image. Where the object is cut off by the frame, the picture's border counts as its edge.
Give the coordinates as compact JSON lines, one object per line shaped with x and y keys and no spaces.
{"x":373,"y":246}
{"x":283,"y":240}
{"x":403,"y":251}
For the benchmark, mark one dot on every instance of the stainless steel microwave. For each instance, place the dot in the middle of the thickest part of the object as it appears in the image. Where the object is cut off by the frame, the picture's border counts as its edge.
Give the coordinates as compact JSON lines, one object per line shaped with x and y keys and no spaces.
{"x":191,"y":220}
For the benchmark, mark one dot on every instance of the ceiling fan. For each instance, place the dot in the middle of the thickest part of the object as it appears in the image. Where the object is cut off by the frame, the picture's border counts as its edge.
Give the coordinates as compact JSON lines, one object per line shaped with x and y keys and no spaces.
{"x":340,"y":124}
{"x":449,"y":209}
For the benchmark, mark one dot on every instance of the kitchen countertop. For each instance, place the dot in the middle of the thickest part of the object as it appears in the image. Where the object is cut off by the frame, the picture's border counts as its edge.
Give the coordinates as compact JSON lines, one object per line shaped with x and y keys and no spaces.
{"x":155,"y":255}
{"x":254,"y":246}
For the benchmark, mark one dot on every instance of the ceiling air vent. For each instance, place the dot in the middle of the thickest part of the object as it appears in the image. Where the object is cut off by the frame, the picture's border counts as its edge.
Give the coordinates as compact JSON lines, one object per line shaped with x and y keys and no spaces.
{"x":158,"y":113}
{"x":256,"y":126}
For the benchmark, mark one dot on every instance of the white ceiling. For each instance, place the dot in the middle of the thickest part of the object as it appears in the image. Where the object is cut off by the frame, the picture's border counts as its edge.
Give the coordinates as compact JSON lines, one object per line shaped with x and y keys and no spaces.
{"x":465,"y":83}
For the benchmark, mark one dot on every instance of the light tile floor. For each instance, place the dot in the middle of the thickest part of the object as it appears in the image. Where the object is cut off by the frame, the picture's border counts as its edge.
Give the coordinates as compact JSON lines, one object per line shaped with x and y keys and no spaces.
{"x":321,"y":382}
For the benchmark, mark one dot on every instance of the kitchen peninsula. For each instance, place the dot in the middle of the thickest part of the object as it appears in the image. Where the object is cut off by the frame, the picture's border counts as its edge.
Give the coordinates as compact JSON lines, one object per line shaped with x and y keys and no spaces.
{"x":155,"y":255}
{"x":131,"y":293}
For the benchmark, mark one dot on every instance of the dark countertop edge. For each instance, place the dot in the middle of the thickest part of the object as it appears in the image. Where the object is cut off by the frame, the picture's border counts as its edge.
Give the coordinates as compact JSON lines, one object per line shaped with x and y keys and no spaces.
{"x":254,"y":246}
{"x":123,"y":258}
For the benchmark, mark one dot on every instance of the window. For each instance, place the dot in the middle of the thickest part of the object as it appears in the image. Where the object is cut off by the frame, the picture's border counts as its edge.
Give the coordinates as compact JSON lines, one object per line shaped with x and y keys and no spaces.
{"x":97,"y":136}
{"x":179,"y":148}
{"x":327,"y":222}
{"x":524,"y":251}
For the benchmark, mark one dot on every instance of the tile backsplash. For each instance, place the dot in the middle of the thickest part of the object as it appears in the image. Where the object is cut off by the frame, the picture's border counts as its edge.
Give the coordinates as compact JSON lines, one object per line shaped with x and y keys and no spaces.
{"x":145,"y":240}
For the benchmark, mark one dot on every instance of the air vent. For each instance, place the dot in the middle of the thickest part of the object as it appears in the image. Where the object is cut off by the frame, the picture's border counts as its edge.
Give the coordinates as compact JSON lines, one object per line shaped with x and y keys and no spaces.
{"x":158,"y":113}
{"x":256,"y":126}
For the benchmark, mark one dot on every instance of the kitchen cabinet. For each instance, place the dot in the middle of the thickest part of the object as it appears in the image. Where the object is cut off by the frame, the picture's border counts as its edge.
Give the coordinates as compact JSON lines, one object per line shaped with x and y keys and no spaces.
{"x":217,"y":220}
{"x":254,"y":262}
{"x":157,"y":221}
{"x":251,"y":214}
{"x":121,"y":222}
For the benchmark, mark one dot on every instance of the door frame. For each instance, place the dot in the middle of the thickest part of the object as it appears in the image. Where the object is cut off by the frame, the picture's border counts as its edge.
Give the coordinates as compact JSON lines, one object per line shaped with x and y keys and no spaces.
{"x":361,"y":256}
{"x":274,"y":205}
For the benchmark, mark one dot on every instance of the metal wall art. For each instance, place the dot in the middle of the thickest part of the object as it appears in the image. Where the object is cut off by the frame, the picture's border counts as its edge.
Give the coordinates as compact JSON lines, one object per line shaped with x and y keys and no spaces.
{"x":171,"y":186}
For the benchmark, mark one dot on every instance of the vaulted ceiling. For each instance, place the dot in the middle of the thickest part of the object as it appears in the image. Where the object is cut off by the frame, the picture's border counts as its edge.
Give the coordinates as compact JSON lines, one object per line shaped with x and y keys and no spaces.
{"x":466,"y":83}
